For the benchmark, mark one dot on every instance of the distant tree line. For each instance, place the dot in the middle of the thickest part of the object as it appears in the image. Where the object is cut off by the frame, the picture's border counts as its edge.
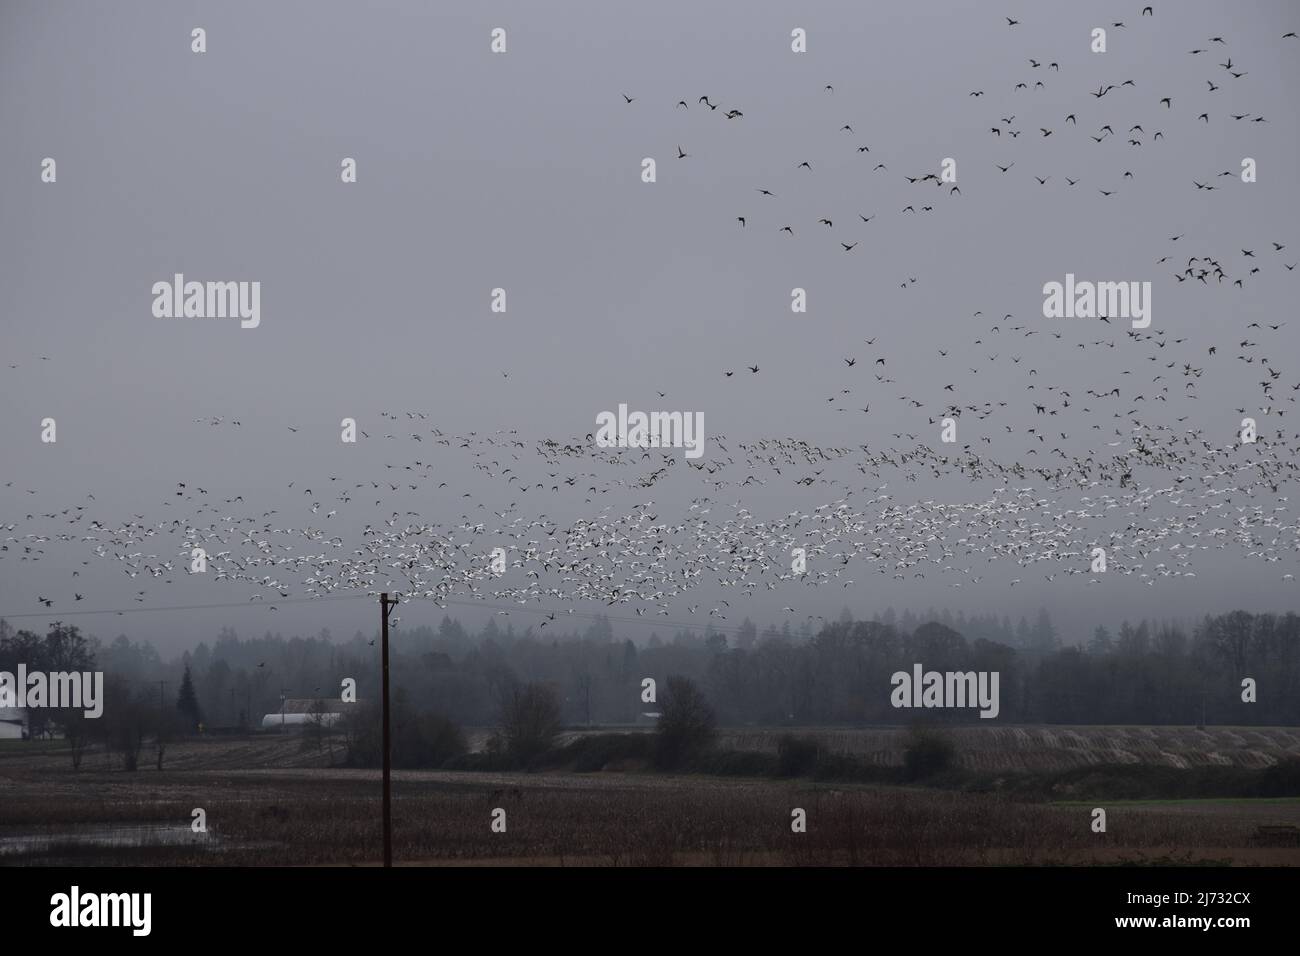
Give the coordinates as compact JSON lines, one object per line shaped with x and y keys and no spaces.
{"x":1148,"y":672}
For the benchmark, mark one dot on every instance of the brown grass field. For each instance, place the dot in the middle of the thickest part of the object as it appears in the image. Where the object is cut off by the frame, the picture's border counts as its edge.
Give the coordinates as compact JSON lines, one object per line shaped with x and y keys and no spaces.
{"x":268,"y":802}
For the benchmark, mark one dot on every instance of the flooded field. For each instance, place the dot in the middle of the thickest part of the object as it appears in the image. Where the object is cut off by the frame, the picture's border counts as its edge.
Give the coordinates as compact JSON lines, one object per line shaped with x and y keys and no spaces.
{"x":100,"y":845}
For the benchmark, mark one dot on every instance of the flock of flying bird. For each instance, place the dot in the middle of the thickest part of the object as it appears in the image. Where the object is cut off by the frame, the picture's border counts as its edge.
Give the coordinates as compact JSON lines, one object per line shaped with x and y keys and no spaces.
{"x":1104,"y":131}
{"x":1166,"y":494}
{"x":1136,"y":478}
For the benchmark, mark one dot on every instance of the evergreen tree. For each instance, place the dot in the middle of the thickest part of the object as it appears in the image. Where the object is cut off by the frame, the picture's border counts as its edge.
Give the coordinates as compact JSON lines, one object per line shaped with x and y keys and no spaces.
{"x":1023,"y":634}
{"x":1101,"y":642}
{"x":187,"y":702}
{"x":1043,"y":636}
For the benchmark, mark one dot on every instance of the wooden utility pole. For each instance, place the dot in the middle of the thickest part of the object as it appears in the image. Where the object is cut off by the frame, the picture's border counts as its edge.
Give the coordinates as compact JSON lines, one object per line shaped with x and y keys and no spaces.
{"x":162,"y":718}
{"x":386,"y":604}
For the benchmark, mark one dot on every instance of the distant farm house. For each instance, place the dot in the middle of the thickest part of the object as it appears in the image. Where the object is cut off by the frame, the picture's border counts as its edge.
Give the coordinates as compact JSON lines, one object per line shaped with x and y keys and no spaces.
{"x":299,"y":713}
{"x":13,"y":723}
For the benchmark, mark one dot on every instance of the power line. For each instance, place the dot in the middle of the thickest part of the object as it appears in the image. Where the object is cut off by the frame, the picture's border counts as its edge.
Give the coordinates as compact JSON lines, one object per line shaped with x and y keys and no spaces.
{"x":689,"y":625}
{"x":182,"y":607}
{"x":440,"y":602}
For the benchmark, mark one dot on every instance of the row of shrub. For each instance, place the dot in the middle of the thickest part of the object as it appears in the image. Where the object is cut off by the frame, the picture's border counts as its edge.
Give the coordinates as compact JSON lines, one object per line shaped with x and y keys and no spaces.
{"x":684,"y":741}
{"x":525,"y":738}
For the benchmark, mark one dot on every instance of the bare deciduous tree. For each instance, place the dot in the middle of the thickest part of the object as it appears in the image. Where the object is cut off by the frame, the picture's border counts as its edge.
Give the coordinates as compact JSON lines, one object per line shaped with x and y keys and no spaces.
{"x":686,"y":722}
{"x":530,"y":719}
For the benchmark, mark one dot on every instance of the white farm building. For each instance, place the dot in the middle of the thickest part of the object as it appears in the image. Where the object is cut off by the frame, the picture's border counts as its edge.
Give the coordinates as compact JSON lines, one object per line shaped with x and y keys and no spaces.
{"x":300,"y":713}
{"x":13,"y":723}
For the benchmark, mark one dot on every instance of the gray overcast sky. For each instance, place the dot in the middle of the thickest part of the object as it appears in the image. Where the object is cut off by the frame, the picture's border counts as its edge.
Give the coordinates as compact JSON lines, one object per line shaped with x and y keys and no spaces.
{"x":523,"y":171}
